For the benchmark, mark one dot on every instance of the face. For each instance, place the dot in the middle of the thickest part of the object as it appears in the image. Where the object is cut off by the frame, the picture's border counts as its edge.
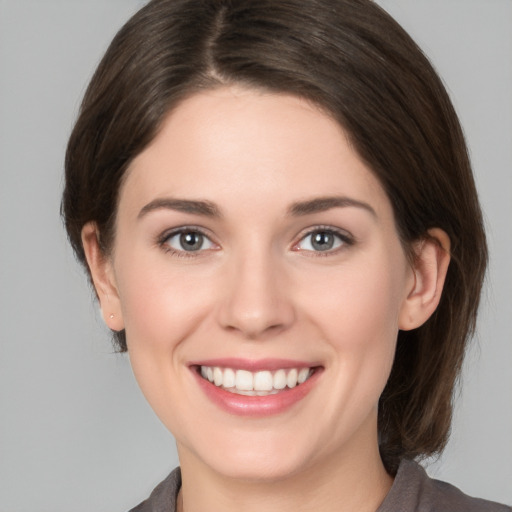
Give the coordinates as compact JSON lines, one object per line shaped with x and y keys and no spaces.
{"x":261,"y":283}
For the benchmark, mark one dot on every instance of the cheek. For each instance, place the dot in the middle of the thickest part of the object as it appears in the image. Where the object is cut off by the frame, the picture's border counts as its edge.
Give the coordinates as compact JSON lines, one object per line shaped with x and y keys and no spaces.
{"x":357,"y":314}
{"x":358,"y":303}
{"x":161,"y":309}
{"x":160,"y":305}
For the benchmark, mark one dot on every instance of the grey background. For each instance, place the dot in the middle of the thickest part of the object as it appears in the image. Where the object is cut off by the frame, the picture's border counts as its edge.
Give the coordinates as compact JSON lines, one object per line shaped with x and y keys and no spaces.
{"x":75,"y":432}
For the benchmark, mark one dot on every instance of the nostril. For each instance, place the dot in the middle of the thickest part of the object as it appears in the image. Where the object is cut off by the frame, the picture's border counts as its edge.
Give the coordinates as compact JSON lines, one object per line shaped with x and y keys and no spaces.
{"x":254,"y":319}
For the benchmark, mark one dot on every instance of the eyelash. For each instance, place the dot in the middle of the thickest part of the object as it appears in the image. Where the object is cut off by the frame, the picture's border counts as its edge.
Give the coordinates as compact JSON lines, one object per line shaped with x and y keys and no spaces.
{"x":345,"y":238}
{"x":165,"y":237}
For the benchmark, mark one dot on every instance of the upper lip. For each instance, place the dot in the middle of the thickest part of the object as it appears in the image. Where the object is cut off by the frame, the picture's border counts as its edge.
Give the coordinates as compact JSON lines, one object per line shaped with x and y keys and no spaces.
{"x":253,"y":365}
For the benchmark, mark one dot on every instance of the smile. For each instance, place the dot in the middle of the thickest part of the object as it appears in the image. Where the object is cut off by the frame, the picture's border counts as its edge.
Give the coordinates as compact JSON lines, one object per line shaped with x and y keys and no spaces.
{"x":255,"y":388}
{"x":259,"y":383}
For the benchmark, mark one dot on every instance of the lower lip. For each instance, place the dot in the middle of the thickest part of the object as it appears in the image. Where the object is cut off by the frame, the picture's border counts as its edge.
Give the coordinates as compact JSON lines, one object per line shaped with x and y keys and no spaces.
{"x":243,"y":405}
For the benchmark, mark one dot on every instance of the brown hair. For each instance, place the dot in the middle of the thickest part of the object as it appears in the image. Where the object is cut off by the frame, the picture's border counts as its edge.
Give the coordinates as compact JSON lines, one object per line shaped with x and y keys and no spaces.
{"x":356,"y":63}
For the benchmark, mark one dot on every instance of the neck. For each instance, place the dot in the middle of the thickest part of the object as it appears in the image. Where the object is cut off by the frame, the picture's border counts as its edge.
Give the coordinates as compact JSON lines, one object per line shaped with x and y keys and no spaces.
{"x":345,"y":482}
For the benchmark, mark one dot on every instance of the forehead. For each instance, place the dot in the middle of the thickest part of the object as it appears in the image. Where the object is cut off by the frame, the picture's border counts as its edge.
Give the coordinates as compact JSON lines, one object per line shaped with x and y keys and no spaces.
{"x":237,"y":145}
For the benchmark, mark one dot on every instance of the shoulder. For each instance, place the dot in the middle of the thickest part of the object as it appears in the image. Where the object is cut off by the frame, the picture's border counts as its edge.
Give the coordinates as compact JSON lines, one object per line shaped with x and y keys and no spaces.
{"x":414,"y":491}
{"x":164,"y":496}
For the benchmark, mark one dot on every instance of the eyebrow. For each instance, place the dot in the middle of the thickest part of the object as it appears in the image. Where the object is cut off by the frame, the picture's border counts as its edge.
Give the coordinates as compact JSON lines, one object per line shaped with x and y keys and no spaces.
{"x":322,"y":204}
{"x":205,"y":208}
{"x":300,"y":208}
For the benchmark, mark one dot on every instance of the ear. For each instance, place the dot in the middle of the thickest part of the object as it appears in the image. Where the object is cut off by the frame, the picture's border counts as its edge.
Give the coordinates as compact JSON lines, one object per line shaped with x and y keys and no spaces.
{"x":429,"y":272}
{"x":100,"y":266}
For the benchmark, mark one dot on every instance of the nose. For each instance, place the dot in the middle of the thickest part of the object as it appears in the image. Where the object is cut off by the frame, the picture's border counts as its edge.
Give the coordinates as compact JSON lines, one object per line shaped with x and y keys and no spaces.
{"x":257,"y":302}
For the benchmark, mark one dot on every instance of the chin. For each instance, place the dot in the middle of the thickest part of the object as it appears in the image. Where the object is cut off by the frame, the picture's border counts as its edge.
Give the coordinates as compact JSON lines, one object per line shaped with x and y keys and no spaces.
{"x":258,"y":467}
{"x":251,"y":458}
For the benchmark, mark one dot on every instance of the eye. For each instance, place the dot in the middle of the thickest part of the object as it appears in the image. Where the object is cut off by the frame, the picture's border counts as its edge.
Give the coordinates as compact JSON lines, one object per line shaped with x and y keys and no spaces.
{"x":188,"y":240}
{"x":322,"y":240}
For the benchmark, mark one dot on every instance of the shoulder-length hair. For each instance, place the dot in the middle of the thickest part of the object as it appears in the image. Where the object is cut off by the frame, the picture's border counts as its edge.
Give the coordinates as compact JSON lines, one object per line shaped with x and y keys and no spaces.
{"x":352,"y":60}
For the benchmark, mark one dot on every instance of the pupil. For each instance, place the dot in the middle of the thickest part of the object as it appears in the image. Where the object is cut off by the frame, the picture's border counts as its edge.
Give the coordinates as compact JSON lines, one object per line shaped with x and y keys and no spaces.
{"x":322,"y":241}
{"x":191,"y":241}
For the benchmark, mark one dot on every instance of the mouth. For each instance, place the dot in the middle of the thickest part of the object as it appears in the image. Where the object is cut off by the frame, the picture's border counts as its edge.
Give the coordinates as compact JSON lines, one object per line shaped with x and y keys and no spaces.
{"x":256,"y":388}
{"x":255,"y":383}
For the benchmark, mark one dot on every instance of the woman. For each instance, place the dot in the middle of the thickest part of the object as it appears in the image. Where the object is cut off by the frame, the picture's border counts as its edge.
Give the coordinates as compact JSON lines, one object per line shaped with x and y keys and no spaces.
{"x":276,"y":208}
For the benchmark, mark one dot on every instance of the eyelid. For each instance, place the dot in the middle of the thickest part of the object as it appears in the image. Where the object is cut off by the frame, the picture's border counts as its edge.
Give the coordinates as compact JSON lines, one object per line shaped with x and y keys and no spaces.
{"x":170,"y":233}
{"x":346,"y":238}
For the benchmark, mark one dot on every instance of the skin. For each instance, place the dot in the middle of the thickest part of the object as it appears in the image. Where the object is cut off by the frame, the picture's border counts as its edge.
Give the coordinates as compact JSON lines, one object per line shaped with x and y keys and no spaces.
{"x":259,"y":289}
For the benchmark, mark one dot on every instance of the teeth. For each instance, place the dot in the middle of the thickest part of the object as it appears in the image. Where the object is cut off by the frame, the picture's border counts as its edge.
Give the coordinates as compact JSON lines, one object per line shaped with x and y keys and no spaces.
{"x":244,"y":380}
{"x":260,"y":383}
{"x":303,"y":375}
{"x":291,"y":378}
{"x":217,"y":376}
{"x":280,"y":379}
{"x":263,"y":381}
{"x":229,"y":378}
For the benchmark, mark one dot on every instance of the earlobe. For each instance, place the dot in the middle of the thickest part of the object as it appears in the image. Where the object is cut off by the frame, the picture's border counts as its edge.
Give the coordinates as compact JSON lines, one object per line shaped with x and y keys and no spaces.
{"x":429,"y":272}
{"x":100,"y":266}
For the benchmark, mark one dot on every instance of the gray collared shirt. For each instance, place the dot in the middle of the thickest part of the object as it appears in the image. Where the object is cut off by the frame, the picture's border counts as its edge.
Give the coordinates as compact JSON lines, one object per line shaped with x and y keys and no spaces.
{"x":412,"y":491}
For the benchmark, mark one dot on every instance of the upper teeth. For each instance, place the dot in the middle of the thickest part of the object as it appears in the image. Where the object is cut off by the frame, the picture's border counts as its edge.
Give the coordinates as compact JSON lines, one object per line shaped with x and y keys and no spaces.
{"x":253,"y":383}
